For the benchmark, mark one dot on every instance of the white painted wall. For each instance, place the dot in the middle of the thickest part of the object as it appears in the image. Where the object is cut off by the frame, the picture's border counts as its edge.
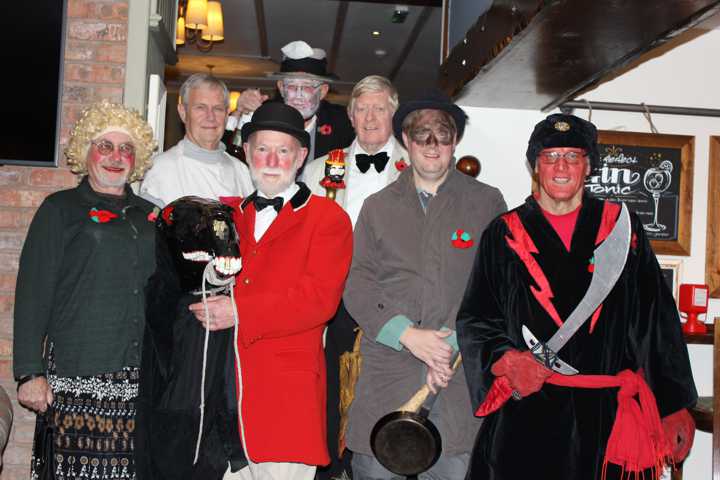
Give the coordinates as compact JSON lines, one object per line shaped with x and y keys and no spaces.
{"x":688,"y":75}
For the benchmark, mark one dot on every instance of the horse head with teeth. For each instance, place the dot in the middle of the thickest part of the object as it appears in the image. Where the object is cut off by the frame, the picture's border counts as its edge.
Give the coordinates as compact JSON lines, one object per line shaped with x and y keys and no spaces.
{"x":195,"y":239}
{"x":199,"y":232}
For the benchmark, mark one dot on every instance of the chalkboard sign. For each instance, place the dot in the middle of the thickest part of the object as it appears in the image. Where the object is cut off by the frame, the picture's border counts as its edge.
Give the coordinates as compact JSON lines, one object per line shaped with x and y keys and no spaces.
{"x":668,"y":274}
{"x":652,"y":174}
{"x":672,"y":272}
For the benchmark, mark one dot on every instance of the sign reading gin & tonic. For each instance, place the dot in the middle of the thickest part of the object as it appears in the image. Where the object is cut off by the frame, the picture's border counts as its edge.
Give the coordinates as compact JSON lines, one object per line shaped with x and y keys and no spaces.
{"x":652,"y":174}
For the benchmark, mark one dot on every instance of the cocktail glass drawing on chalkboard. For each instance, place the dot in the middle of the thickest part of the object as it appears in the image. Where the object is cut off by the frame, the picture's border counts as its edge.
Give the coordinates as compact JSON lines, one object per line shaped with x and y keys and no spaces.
{"x":656,"y":181}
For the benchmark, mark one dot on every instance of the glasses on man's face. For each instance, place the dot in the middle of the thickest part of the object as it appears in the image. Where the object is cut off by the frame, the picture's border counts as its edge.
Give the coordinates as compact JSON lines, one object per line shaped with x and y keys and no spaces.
{"x":306,"y":88}
{"x":571,"y":157}
{"x":442,"y":135}
{"x":106,"y":147}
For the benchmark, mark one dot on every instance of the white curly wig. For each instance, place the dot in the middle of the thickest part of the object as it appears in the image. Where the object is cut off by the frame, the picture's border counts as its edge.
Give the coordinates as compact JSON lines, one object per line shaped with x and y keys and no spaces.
{"x":101,"y":117}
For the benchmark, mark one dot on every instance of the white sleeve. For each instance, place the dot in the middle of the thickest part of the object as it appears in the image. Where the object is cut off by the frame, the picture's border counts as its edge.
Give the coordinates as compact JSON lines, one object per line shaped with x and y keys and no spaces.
{"x":233,"y":123}
{"x":155,"y":187}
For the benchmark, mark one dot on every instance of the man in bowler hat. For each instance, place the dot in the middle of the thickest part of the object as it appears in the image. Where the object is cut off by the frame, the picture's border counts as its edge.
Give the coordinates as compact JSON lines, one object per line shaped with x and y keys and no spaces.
{"x":296,"y":252}
{"x":414,"y":244}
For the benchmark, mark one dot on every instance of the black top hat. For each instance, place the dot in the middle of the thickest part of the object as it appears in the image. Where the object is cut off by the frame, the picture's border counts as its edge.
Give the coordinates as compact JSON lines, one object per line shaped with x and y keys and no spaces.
{"x":561,"y":130}
{"x":279,"y":117}
{"x":432,"y":100}
{"x":312,"y":66}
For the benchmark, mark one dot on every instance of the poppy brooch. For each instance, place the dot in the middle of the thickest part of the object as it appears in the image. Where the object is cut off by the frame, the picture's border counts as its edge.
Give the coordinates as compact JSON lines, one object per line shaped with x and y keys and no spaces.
{"x":461,"y":239}
{"x":167,"y":215}
{"x":101,"y":216}
{"x":400,"y":165}
{"x":325,"y":129}
{"x":152,"y":216}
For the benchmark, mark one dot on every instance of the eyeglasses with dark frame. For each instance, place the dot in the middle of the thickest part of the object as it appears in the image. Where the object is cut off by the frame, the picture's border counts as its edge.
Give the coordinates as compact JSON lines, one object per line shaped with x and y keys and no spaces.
{"x":571,"y":158}
{"x":106,"y":147}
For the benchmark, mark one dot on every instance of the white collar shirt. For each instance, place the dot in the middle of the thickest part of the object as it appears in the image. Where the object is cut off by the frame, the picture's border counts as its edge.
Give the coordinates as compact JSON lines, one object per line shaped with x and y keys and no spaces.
{"x":265,"y":217}
{"x":362,"y":185}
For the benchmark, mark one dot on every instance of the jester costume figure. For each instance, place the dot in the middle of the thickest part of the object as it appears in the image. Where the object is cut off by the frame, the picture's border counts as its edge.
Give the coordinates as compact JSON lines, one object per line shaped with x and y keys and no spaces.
{"x":533,"y":267}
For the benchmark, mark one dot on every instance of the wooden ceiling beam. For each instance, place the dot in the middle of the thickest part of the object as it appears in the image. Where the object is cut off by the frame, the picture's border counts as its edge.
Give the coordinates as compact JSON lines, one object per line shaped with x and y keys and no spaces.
{"x":262,"y":28}
{"x":410,"y":43}
{"x":412,"y":3}
{"x":533,"y":54}
{"x":337,"y":35}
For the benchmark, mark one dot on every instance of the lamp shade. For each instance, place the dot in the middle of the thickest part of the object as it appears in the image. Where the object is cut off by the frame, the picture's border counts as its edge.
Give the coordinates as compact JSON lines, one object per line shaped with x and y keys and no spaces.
{"x":196,"y":14}
{"x":233,"y":100}
{"x":214,"y":31}
{"x":180,"y":32}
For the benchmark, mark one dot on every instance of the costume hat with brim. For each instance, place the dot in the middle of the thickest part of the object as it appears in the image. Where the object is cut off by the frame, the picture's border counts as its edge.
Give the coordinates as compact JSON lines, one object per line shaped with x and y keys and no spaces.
{"x":300,"y":60}
{"x":278,"y":117}
{"x":432,"y":100}
{"x":561,"y":130}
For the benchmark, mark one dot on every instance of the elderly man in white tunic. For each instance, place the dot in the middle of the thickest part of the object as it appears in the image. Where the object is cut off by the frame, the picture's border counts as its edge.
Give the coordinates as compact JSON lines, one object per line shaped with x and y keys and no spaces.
{"x":198,"y":165}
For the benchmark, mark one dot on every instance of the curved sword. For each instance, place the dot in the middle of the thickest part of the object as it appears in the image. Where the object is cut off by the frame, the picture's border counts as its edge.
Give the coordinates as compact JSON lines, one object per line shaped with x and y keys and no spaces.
{"x":610,"y":257}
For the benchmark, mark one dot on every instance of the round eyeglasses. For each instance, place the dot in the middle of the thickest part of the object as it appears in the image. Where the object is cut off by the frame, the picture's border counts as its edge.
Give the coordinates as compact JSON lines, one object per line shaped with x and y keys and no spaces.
{"x":106,"y":147}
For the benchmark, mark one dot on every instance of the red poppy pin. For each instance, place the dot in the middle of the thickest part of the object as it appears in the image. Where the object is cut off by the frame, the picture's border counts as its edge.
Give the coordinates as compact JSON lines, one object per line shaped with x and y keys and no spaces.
{"x":152,"y":216}
{"x":167,"y":215}
{"x":633,"y":242}
{"x":461,"y":239}
{"x":101,"y":216}
{"x":325,"y":129}
{"x":400,"y":165}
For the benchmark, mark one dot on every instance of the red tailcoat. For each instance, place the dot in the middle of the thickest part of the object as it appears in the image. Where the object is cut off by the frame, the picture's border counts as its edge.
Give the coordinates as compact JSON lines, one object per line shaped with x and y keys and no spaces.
{"x":289,"y":287}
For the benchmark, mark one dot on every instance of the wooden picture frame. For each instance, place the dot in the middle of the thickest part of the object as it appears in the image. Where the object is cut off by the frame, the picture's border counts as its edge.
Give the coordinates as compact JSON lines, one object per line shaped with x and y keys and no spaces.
{"x":673,"y":269}
{"x":712,"y":247}
{"x":631,"y":164}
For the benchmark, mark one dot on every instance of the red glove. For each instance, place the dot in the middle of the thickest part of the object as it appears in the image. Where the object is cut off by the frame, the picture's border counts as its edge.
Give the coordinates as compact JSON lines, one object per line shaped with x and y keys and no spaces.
{"x":679,"y":430}
{"x":525,"y":374}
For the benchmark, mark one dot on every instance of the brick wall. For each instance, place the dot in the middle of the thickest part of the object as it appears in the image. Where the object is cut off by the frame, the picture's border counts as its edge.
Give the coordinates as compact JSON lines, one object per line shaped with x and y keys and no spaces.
{"x":95,"y":49}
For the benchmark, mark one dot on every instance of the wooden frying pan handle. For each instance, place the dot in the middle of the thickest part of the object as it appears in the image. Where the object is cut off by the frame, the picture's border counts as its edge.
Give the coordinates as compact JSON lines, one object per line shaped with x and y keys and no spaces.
{"x":413,"y":405}
{"x":458,"y":361}
{"x":420,"y":397}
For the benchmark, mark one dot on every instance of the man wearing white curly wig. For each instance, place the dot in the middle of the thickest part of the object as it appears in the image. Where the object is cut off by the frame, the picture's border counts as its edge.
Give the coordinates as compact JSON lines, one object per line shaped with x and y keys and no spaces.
{"x":80,"y":300}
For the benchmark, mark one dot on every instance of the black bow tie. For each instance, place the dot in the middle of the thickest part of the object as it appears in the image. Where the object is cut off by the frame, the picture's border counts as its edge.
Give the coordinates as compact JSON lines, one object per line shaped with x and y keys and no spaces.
{"x":363,"y":161}
{"x":262,"y":202}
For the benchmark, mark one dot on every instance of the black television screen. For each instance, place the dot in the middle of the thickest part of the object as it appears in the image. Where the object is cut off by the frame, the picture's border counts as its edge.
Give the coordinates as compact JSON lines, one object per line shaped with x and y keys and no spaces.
{"x":32,"y":81}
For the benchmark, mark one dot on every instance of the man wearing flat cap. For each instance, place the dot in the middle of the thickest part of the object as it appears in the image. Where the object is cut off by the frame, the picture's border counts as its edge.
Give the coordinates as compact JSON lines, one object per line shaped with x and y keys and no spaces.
{"x":414,"y":244}
{"x":623,"y":414}
{"x":303,"y":83}
{"x":296,"y":251}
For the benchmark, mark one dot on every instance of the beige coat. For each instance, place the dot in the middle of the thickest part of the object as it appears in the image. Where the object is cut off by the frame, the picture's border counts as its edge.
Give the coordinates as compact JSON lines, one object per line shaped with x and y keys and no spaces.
{"x":405,"y":263}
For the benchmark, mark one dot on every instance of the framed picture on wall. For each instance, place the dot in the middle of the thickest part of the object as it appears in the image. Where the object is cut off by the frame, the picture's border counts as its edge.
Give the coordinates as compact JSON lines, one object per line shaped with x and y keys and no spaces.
{"x":653,"y":175}
{"x":672,"y":273}
{"x":712,"y":248}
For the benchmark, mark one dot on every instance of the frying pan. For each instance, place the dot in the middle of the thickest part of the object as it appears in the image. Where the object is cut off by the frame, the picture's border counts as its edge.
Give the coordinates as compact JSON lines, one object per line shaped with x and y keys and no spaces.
{"x":405,"y":441}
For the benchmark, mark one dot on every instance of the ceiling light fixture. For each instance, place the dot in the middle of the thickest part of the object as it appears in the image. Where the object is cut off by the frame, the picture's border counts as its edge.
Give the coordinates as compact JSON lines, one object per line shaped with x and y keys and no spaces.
{"x":200,"y":22}
{"x":400,"y":14}
{"x":376,"y":33}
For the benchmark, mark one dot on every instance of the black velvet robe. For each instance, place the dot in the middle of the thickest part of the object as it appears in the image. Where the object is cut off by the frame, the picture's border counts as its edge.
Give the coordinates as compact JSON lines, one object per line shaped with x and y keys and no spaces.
{"x":559,"y":432}
{"x":168,"y":410}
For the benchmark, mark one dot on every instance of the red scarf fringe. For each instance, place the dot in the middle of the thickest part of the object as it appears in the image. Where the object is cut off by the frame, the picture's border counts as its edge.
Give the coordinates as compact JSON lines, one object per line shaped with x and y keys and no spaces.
{"x":637,"y":441}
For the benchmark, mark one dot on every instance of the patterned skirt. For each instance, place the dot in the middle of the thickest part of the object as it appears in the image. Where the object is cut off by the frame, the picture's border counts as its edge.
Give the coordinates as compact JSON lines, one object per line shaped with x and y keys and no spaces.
{"x":94,"y":420}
